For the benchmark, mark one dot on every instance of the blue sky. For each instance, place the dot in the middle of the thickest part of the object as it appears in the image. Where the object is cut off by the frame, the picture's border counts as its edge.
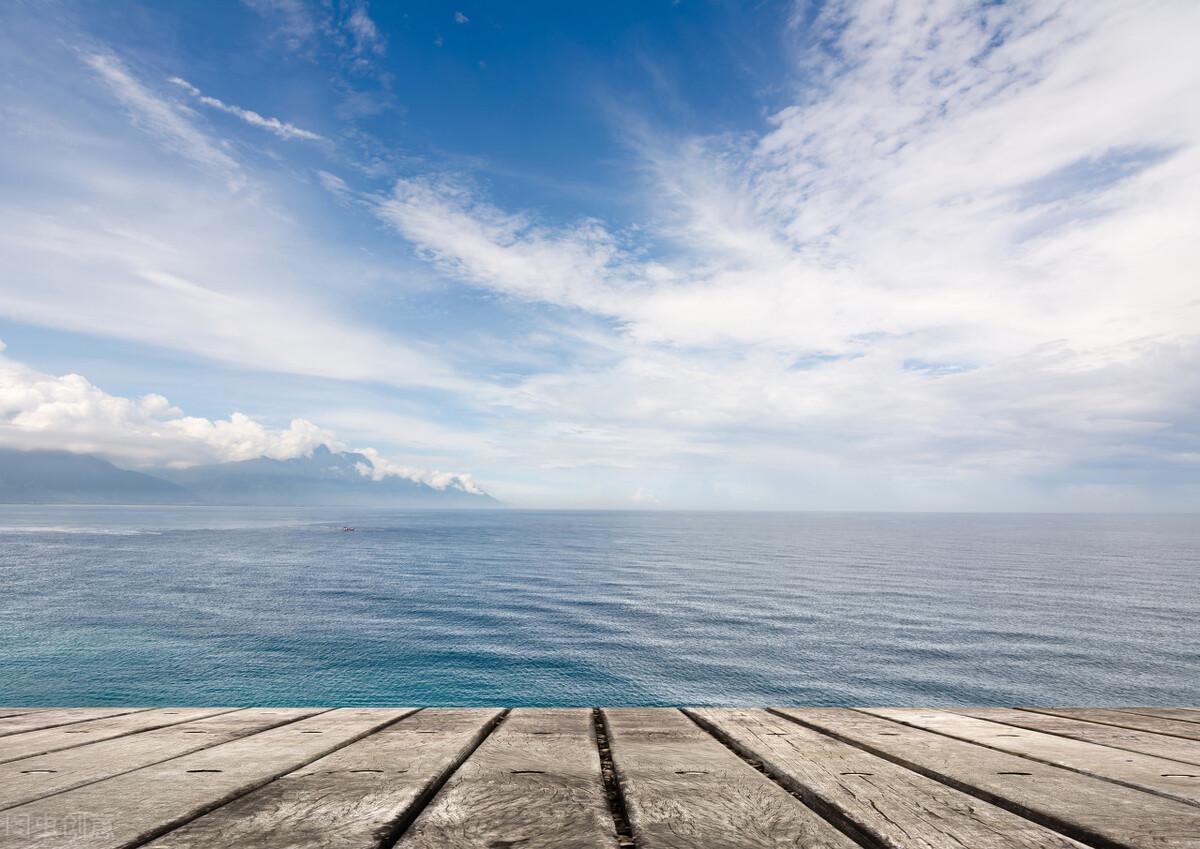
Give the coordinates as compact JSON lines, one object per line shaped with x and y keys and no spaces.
{"x":646,"y":254}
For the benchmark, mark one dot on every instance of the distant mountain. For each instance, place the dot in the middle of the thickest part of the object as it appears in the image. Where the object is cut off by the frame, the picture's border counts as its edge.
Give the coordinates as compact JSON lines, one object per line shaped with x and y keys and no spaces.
{"x":60,"y":477}
{"x":326,"y":479}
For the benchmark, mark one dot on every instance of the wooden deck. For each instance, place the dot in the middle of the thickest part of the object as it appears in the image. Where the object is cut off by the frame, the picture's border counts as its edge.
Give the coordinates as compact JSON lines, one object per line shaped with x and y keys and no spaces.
{"x":186,"y":778}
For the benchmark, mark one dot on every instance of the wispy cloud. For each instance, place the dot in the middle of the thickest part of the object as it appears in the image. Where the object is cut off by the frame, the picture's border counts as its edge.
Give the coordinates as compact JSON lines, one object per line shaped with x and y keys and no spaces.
{"x":280,"y":128}
{"x":364,"y":32}
{"x":295,"y":22}
{"x":177,"y":262}
{"x":158,"y":116}
{"x":946,"y":192}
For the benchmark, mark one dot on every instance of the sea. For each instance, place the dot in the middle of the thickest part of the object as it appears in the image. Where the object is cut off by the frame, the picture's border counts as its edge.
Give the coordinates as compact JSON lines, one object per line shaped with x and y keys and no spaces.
{"x":255,"y":606}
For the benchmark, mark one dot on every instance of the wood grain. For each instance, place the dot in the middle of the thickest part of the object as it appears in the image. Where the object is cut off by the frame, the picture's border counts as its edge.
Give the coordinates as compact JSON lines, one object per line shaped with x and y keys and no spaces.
{"x":534,"y":783}
{"x":1082,"y":806}
{"x":51,"y":717}
{"x":879,"y":801}
{"x":137,"y":806}
{"x":31,"y":743}
{"x":685,"y":790}
{"x":1123,"y":719}
{"x":1172,"y":748}
{"x":1179,"y":713}
{"x":33,"y":778}
{"x":1145,"y":772}
{"x":350,"y":799}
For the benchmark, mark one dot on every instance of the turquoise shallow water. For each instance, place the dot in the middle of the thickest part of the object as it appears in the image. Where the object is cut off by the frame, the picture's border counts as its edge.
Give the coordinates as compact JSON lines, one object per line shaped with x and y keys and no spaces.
{"x":235,"y":606}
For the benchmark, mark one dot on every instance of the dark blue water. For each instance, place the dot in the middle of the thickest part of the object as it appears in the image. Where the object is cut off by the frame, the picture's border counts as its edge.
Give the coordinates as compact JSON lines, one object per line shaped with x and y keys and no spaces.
{"x":236,"y":606}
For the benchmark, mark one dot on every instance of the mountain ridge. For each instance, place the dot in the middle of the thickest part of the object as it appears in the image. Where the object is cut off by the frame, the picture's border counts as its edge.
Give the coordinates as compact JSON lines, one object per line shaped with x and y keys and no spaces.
{"x":324,"y":478}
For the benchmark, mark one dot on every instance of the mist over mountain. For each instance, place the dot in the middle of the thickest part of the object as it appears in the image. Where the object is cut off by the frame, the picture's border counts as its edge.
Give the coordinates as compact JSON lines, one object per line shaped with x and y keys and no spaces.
{"x":326,"y":478}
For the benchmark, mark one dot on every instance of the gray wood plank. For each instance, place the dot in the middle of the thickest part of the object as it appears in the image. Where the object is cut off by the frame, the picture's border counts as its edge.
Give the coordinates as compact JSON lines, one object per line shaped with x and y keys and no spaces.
{"x":1123,"y":719}
{"x":1146,"y":772}
{"x":1087,"y":808}
{"x":137,"y":806}
{"x":49,"y":718}
{"x":33,"y":743}
{"x":685,"y":790}
{"x":878,"y":801}
{"x":1179,"y":713}
{"x":354,"y":798}
{"x":33,"y":778}
{"x":534,"y":783}
{"x":1172,"y":748}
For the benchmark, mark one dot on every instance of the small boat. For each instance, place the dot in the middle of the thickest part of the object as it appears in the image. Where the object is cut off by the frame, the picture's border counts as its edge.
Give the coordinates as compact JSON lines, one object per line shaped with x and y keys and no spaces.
{"x":347,"y":528}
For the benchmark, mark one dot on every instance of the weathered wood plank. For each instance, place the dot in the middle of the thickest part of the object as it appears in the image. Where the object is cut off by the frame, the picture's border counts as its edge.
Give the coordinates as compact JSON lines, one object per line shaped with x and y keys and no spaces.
{"x":875,"y":799}
{"x":137,"y":806}
{"x":1179,"y":713}
{"x":33,"y":778}
{"x":351,"y":799}
{"x":1172,"y":748}
{"x":1146,"y":772}
{"x":534,"y":783}
{"x":684,"y":790}
{"x":22,"y":722}
{"x":1087,"y":808}
{"x":33,"y":743}
{"x":1123,"y":719}
{"x":6,"y":712}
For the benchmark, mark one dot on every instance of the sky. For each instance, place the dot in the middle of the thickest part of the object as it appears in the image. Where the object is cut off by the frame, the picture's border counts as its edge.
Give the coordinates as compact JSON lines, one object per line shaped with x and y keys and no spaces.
{"x":637,"y":254}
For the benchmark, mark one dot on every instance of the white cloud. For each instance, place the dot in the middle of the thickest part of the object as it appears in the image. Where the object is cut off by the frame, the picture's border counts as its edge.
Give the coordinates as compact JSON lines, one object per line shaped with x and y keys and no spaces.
{"x":295,"y":23}
{"x":644,"y":498}
{"x":380,"y":468}
{"x":460,"y":18}
{"x":118,"y":241}
{"x":280,"y":128}
{"x":68,"y":412}
{"x":160,"y":117}
{"x":363,"y":30}
{"x":968,"y":248}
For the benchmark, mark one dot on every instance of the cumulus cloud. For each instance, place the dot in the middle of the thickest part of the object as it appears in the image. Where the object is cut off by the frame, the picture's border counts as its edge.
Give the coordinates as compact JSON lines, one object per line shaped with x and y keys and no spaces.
{"x":280,"y":128}
{"x":68,"y":412}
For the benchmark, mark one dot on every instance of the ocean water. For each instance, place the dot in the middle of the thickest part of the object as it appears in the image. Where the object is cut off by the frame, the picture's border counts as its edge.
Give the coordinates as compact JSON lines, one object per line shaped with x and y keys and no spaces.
{"x":159,"y":606}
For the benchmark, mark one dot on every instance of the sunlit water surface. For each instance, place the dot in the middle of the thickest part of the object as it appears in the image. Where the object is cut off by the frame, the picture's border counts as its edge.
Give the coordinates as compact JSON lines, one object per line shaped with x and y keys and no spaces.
{"x":161,"y":606}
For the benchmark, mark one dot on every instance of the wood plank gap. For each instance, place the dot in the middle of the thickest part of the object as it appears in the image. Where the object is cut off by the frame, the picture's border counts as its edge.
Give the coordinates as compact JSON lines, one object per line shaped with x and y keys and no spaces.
{"x":402,"y":824}
{"x":534,"y":783}
{"x":68,"y":788}
{"x":62,"y":745}
{"x":612,"y":784}
{"x":197,"y":813}
{"x":63,"y":714}
{"x":1191,"y":715}
{"x":1063,"y":827}
{"x":1077,"y":729}
{"x":811,"y":801}
{"x":1141,"y":785}
{"x":1125,"y":720}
